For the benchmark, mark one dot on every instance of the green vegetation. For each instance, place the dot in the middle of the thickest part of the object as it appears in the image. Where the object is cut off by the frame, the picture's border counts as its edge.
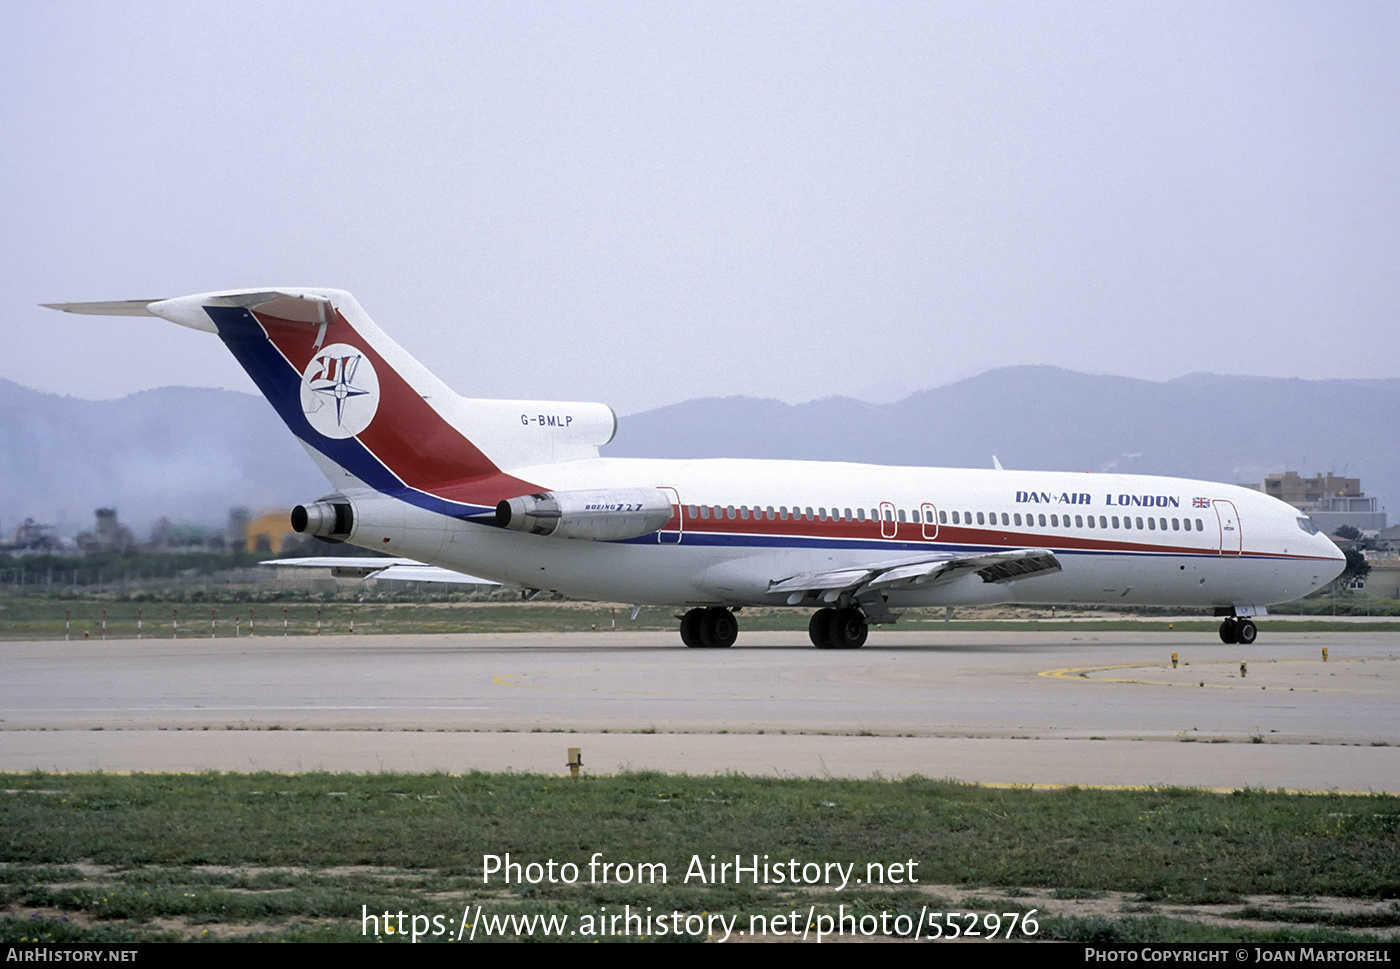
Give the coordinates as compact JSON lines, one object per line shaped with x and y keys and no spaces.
{"x":89,"y":857}
{"x":35,"y":616}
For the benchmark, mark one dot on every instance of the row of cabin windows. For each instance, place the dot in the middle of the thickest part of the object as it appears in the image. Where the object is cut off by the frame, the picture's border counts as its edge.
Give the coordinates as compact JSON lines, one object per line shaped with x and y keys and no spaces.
{"x":1080,"y":521}
{"x":783,"y":514}
{"x":744,"y":512}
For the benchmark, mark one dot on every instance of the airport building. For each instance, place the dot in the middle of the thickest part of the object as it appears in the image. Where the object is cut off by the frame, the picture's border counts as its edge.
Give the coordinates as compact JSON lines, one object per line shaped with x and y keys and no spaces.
{"x":1330,"y":501}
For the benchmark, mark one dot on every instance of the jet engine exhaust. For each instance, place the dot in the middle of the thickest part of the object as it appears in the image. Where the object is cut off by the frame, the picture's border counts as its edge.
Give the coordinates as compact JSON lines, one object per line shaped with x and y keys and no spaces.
{"x":330,"y":521}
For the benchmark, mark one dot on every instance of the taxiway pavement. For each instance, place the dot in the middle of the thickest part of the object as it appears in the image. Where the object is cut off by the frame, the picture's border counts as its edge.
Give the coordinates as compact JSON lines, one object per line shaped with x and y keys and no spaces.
{"x":1037,"y":708}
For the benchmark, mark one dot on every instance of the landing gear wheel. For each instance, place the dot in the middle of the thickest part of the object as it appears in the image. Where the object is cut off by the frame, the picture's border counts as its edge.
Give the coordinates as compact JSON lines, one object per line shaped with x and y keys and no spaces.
{"x":718,"y":628}
{"x":1228,"y":632}
{"x":690,"y":628}
{"x":846,"y":629}
{"x":1246,"y":632}
{"x":819,"y":629}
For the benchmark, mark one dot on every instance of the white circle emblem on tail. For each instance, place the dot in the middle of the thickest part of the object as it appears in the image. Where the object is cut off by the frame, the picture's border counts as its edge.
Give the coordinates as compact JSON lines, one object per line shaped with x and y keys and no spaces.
{"x":339,"y":391}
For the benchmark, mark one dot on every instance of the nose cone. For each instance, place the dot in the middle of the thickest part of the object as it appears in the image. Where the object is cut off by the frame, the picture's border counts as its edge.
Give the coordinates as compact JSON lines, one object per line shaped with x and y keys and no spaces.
{"x":1330,"y":551}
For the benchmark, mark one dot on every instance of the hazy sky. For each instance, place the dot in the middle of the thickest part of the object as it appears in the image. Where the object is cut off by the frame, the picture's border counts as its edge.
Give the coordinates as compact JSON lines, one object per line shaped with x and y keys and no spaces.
{"x":644,"y":202}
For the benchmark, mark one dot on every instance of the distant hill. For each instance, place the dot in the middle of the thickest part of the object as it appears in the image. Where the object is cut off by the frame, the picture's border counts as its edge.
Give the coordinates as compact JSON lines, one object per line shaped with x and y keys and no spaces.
{"x":1230,"y":429}
{"x":182,"y":452}
{"x":190,"y":454}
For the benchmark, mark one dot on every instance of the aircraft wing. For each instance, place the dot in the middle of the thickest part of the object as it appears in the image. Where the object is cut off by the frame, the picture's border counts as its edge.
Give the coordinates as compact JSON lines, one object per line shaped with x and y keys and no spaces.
{"x":1001,"y":566}
{"x":399,"y":570}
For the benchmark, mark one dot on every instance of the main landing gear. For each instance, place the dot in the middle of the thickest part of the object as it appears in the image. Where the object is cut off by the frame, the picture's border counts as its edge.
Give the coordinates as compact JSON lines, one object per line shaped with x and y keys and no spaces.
{"x":1236,"y":630}
{"x":717,"y":628}
{"x":838,"y":629}
{"x":712,"y":628}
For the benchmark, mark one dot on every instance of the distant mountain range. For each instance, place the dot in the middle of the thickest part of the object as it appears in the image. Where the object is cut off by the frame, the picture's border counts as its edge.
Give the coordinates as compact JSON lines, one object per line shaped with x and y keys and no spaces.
{"x":1230,"y":429}
{"x":190,"y":454}
{"x":181,"y":452}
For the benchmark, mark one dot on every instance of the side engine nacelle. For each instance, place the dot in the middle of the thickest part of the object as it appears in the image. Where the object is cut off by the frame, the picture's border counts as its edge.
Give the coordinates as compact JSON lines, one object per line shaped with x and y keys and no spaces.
{"x":331,"y":519}
{"x":609,"y":515}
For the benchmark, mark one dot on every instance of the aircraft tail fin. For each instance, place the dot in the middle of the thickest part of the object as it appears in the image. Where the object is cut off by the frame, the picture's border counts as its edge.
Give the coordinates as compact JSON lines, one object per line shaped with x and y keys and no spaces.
{"x":362,"y":404}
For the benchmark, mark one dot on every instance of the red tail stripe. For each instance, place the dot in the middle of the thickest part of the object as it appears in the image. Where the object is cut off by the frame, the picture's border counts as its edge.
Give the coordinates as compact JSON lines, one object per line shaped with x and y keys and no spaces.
{"x":407,"y":435}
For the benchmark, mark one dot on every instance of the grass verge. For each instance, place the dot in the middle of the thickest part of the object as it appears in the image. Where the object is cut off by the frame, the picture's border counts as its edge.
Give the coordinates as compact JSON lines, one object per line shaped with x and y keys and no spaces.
{"x":108,"y":857}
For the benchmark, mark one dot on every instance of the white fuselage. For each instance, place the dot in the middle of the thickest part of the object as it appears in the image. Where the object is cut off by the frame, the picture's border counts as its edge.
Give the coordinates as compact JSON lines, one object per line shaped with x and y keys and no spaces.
{"x":744,"y":525}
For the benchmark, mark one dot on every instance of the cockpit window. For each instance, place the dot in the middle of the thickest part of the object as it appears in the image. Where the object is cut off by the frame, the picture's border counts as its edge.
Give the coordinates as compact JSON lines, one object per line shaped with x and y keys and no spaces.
{"x":1306,"y":524}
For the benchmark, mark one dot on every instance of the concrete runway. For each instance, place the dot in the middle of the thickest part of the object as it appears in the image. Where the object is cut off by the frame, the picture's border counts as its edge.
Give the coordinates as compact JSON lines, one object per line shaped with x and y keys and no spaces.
{"x":993,"y":707}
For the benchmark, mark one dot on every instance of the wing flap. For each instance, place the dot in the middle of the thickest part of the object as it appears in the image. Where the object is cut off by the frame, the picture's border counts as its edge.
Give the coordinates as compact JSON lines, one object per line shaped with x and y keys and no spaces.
{"x":430,"y":573}
{"x":821,"y":581}
{"x":1031,"y":562}
{"x":1001,"y":566}
{"x":397,"y":570}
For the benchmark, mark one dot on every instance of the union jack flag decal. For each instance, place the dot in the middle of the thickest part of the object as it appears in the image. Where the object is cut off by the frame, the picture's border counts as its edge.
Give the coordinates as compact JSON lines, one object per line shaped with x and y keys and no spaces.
{"x":1200,"y":502}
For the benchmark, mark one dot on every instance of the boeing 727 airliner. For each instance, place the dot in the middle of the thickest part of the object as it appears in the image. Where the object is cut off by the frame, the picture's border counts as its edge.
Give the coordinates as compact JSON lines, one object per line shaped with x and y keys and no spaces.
{"x":515,"y":491}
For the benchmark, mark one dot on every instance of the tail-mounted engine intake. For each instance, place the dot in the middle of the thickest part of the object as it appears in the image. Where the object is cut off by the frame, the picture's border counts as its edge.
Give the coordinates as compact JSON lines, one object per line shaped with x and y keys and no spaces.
{"x":603,"y":516}
{"x":330,"y":519}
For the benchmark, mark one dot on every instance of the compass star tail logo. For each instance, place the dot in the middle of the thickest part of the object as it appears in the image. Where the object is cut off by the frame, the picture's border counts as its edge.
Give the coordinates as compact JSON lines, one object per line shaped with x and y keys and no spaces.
{"x":339,"y":391}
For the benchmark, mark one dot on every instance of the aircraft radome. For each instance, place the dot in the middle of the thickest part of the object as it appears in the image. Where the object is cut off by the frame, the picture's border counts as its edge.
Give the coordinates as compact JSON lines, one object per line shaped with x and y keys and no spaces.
{"x":514,"y":490}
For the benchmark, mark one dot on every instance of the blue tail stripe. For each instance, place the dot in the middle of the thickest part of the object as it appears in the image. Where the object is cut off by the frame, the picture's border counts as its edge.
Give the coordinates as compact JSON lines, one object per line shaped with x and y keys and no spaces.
{"x":281,"y":385}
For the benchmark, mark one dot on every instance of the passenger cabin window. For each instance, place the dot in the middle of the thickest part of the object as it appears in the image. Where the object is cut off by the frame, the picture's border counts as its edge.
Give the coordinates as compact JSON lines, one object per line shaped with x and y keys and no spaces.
{"x":943,"y":517}
{"x":981,"y":520}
